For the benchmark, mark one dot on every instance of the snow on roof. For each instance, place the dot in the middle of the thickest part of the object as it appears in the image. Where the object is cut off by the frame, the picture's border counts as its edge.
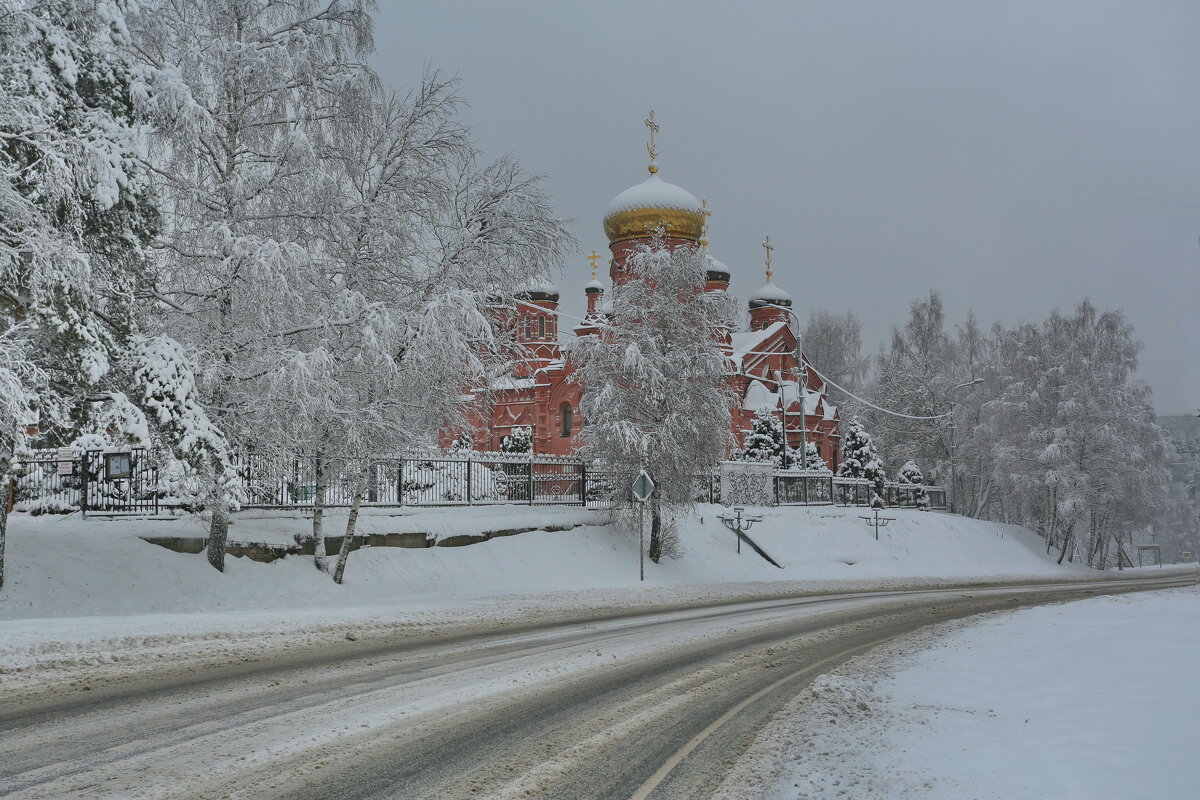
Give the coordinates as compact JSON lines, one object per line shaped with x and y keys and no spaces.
{"x":543,"y":285}
{"x":758,"y":397}
{"x":812,"y":399}
{"x":508,"y":382}
{"x":653,"y":192}
{"x":594,"y":284}
{"x":714,"y":264}
{"x":770,"y":292}
{"x":747,"y":342}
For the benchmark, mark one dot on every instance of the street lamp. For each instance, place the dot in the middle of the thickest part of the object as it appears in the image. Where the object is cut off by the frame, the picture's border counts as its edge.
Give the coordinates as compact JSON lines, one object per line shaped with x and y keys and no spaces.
{"x":954,"y":443}
{"x":738,"y":523}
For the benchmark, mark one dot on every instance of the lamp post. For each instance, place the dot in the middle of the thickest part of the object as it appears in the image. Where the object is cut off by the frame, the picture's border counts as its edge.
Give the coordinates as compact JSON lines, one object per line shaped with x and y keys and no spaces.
{"x":954,"y":445}
{"x":739,"y":523}
{"x":877,"y":522}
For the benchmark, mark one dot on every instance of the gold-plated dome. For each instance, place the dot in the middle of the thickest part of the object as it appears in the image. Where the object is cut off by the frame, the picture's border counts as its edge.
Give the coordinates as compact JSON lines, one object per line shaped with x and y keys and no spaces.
{"x":640,"y":210}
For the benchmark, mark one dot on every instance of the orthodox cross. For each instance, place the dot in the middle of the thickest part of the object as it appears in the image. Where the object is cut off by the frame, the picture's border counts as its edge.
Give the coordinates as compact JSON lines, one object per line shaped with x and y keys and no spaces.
{"x":704,"y":209}
{"x":593,"y":258}
{"x":651,"y":147}
{"x":769,"y":247}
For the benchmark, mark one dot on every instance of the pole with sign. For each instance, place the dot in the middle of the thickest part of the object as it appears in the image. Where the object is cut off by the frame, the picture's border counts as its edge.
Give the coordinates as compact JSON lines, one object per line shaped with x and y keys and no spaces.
{"x":643,"y":487}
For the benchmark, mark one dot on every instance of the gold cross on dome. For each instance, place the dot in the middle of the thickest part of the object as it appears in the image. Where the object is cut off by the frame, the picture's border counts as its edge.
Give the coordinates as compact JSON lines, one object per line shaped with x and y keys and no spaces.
{"x":593,"y":258}
{"x":651,"y":147}
{"x":769,"y":247}
{"x":704,"y":209}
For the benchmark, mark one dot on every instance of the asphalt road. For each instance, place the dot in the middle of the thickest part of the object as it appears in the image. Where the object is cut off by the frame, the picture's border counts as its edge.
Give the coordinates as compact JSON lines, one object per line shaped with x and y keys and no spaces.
{"x":646,"y":705}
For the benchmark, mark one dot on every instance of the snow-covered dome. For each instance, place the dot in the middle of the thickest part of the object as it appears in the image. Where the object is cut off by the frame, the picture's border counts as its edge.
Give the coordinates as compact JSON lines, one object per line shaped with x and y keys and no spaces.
{"x":541,"y":289}
{"x":715,"y":269}
{"x":770,"y":294}
{"x":636,"y":212}
{"x":593,"y":286}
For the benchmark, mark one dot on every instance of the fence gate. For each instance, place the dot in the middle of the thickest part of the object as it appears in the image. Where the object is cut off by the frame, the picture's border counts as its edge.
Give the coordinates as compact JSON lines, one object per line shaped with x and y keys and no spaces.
{"x":118,"y":482}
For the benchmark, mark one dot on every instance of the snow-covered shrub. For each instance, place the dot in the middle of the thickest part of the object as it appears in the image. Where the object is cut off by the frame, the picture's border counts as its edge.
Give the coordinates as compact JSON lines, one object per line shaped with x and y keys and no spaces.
{"x":910,"y":475}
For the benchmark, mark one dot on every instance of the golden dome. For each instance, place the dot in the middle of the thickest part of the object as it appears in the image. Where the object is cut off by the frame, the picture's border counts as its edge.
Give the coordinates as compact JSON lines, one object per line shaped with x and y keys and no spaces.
{"x":640,"y":210}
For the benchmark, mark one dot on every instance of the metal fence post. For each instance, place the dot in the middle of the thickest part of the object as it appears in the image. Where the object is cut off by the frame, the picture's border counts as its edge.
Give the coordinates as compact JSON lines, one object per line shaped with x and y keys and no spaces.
{"x":83,"y":484}
{"x":531,"y":477}
{"x":400,"y":482}
{"x":469,"y":478}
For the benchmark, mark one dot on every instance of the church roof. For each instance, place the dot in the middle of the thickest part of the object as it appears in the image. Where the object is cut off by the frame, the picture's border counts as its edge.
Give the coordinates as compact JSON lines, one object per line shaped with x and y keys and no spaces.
{"x":771,"y":293}
{"x":653,"y":192}
{"x":748,"y":342}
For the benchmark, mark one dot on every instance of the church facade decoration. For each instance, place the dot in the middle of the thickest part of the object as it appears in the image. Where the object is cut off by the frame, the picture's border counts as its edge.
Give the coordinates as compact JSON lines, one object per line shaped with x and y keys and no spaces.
{"x":768,"y":371}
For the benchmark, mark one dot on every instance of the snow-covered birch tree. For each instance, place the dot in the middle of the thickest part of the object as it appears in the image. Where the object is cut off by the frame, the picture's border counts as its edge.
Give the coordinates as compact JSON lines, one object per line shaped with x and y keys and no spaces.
{"x":655,"y":395}
{"x":418,"y":236}
{"x":242,"y":92}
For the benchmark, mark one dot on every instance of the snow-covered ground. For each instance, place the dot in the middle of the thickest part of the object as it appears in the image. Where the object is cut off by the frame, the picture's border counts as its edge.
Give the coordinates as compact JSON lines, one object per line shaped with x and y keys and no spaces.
{"x":1087,"y":700}
{"x":91,"y":591}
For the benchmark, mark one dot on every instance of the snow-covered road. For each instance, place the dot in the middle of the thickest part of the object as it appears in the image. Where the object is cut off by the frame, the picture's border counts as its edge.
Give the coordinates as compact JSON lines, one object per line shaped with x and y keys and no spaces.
{"x":638,"y":705}
{"x":1090,"y":700}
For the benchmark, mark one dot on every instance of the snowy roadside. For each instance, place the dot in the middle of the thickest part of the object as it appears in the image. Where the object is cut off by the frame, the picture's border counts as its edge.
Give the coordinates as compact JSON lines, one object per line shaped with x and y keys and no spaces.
{"x":88,"y":600}
{"x":1091,"y":699}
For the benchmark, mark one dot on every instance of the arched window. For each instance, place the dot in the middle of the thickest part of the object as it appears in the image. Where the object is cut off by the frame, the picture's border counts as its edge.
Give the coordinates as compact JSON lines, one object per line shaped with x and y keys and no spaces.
{"x":541,"y":327}
{"x":567,"y":419}
{"x":528,"y":327}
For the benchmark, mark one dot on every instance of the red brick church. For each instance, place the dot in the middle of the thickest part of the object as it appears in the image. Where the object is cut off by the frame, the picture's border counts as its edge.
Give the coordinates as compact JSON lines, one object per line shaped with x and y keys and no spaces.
{"x":766,"y":374}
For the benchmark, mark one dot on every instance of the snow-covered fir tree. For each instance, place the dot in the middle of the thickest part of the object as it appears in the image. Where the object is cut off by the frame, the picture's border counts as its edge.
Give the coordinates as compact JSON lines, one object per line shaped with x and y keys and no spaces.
{"x":73,"y":214}
{"x":655,"y":394}
{"x":765,"y":440}
{"x":860,"y":458}
{"x":519,"y":440}
{"x":812,"y":458}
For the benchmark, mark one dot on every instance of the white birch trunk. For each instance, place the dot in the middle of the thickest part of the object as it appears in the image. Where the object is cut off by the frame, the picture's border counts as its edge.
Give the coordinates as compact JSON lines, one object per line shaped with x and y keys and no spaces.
{"x":351,"y":522}
{"x":319,"y":558}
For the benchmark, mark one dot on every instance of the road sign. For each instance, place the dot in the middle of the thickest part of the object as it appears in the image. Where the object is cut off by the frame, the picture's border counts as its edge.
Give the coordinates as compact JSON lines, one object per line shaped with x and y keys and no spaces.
{"x":643,"y":487}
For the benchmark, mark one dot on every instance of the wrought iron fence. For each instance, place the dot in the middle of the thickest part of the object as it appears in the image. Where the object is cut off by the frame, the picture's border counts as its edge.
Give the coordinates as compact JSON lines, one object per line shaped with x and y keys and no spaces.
{"x":95,"y":481}
{"x":120,"y":482}
{"x":815,"y":488}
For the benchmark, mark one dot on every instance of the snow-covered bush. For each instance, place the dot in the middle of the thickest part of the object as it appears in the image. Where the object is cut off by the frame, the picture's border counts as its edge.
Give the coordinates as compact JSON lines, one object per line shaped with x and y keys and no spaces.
{"x":910,"y":475}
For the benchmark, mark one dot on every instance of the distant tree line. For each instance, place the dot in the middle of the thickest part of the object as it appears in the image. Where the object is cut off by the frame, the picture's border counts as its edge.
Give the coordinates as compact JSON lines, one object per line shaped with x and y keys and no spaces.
{"x":1046,"y":425}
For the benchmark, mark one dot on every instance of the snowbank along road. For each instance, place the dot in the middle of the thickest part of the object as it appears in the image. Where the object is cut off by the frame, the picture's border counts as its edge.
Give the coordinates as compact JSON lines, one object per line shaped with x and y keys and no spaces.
{"x":642,"y":705}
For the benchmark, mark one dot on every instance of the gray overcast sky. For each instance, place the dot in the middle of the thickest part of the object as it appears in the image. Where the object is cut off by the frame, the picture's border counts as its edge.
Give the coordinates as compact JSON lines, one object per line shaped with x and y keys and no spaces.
{"x":1017,"y":156}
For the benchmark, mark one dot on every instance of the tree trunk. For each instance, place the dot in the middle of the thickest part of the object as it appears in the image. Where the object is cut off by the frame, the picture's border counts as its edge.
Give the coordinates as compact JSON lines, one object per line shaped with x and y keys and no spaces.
{"x":1068,"y":537}
{"x":351,"y":522}
{"x":5,"y":495}
{"x":218,"y":534}
{"x":656,"y":543}
{"x":320,"y":561}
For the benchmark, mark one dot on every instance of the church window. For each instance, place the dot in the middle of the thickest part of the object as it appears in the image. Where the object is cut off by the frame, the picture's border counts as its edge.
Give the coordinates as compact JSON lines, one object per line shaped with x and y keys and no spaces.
{"x":567,"y":419}
{"x":541,"y":327}
{"x":528,"y":327}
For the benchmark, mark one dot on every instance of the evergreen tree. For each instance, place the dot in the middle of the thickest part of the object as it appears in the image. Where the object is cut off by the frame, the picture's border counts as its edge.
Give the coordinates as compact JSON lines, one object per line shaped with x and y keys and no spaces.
{"x":765,"y":440}
{"x":859,"y":457}
{"x":73,"y":214}
{"x":812,"y":459}
{"x":519,"y":441}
